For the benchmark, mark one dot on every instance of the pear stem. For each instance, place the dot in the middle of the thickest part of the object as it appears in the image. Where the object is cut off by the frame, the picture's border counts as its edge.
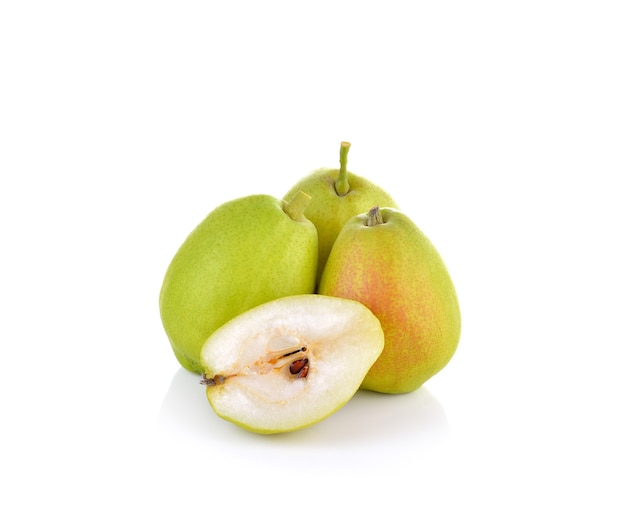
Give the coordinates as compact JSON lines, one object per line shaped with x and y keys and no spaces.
{"x":374,"y":217}
{"x":341,"y":184}
{"x":296,"y":206}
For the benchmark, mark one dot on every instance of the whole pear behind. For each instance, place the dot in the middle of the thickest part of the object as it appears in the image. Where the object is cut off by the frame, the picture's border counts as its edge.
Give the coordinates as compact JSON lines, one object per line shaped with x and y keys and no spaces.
{"x":337,"y":195}
{"x":245,"y":252}
{"x":393,"y":269}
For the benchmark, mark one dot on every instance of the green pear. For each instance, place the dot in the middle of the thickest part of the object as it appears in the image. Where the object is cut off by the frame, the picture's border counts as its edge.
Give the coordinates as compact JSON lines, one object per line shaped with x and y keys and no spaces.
{"x":289,"y":363}
{"x":383,"y":260}
{"x":337,"y":195}
{"x":244,"y":253}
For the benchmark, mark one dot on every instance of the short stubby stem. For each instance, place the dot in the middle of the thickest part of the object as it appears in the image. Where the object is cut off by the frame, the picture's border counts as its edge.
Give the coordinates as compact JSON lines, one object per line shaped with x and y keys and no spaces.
{"x":374,"y":217}
{"x":217,"y":380}
{"x":296,"y":206}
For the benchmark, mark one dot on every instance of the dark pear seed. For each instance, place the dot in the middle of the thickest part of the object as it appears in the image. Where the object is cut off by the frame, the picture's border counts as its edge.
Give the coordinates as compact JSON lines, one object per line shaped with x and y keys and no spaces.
{"x":303,"y":372}
{"x":298,"y":365}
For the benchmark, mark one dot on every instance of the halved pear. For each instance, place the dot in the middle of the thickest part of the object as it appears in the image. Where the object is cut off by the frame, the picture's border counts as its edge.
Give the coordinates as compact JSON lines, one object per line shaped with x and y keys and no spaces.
{"x":289,"y":363}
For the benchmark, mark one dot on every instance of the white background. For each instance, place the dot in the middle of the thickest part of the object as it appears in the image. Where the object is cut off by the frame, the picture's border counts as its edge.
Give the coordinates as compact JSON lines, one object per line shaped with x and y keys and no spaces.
{"x":500,"y":127}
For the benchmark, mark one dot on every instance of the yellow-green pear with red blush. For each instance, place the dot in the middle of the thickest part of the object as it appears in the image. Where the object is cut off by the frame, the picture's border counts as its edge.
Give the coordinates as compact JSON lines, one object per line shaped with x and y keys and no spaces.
{"x":246,"y":252}
{"x":383,"y":260}
{"x":337,"y":195}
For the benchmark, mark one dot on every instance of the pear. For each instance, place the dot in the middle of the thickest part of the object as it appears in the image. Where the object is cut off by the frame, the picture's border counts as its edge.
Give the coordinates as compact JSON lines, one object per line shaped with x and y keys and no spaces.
{"x":289,"y":363}
{"x":244,"y":253}
{"x":338,"y":195}
{"x":382,"y":259}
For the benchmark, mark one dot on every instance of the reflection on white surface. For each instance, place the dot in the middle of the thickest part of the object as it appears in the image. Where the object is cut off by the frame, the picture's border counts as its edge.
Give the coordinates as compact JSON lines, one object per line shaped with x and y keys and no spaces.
{"x":416,"y":419}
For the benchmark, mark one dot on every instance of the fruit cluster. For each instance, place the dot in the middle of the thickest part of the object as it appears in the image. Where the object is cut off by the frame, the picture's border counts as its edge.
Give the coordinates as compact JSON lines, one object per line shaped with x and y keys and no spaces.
{"x":287,"y":307}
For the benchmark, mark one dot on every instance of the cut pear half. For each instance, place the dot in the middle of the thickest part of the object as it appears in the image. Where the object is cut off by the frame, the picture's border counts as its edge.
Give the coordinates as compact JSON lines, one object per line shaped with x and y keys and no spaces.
{"x":290,"y":363}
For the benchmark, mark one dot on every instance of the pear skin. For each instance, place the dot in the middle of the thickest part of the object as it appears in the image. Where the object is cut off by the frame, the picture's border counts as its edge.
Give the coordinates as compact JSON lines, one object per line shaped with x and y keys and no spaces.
{"x":244,"y":253}
{"x":383,"y":260}
{"x":337,"y":195}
